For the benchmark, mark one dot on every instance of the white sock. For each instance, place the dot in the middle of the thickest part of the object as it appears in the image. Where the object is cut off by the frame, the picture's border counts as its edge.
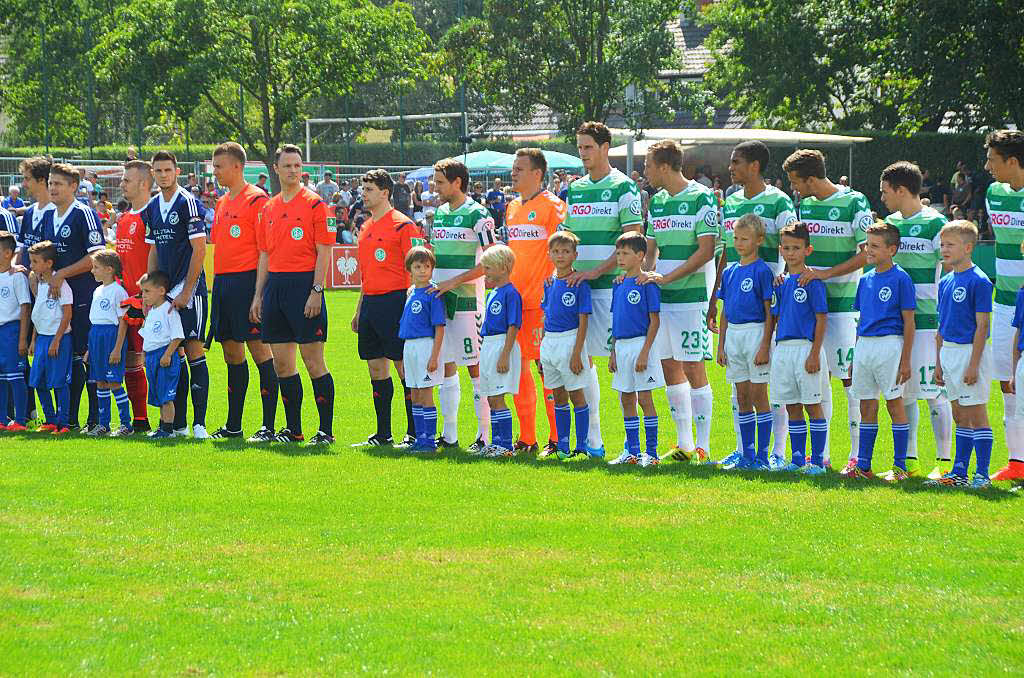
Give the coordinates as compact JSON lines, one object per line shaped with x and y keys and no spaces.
{"x":853,"y":412}
{"x":826,"y":411}
{"x":448,"y":396}
{"x":682,"y":414}
{"x":913,"y":421}
{"x":780,"y":430}
{"x":702,"y":400}
{"x":1013,"y":428}
{"x":942,"y":426}
{"x":483,"y":411}
{"x":735,"y":402}
{"x":593,"y":393}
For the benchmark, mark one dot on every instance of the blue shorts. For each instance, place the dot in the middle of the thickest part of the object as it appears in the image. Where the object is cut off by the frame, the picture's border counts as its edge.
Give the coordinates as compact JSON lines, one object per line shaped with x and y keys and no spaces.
{"x":50,"y":372}
{"x":193,"y":320}
{"x":229,"y":307}
{"x":82,"y":287}
{"x":11,"y":363}
{"x":101,"y":342}
{"x":163,"y":381}
{"x":284,"y":298}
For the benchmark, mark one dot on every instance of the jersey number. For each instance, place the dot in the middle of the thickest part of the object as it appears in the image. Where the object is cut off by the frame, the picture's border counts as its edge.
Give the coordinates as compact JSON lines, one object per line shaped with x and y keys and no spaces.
{"x":927,"y":375}
{"x":691,"y":339}
{"x":467,"y":344}
{"x":849,"y":357}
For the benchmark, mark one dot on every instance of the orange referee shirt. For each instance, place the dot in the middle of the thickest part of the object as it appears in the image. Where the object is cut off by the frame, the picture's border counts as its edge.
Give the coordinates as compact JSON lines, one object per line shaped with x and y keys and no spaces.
{"x":290,"y":231}
{"x":383,"y":245}
{"x":530,"y":224}
{"x":234,"y":230}
{"x":130,"y":245}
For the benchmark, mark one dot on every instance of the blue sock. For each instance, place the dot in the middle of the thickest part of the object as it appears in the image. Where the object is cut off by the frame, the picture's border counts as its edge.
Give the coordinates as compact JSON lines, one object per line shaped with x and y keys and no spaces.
{"x":417,"y":424}
{"x":428,"y":417}
{"x":900,"y":436}
{"x":496,"y":427}
{"x":124,"y":414}
{"x":103,"y":406}
{"x":509,"y":436}
{"x":46,"y":402}
{"x":651,"y":434}
{"x":748,"y":431}
{"x":962,"y":455}
{"x":633,"y":435}
{"x":819,"y":434}
{"x":982,"y":450}
{"x":3,"y":398}
{"x":501,"y":428}
{"x":868,"y":434}
{"x":798,"y":441}
{"x":63,"y":405}
{"x":20,"y":396}
{"x":563,"y":424}
{"x":582,"y":426}
{"x":764,"y":435}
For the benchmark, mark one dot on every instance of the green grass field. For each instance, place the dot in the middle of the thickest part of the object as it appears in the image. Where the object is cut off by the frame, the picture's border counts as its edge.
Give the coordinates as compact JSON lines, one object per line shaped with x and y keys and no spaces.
{"x":130,"y":557}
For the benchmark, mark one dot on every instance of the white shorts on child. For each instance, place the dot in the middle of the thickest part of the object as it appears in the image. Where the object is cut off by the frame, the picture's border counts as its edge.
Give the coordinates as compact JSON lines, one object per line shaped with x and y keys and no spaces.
{"x":791,"y":384}
{"x":555,"y":352}
{"x":625,"y":378}
{"x":742,"y":342}
{"x":415,"y":357}
{"x":876,"y":367}
{"x":491,"y":382}
{"x":954,"y":359}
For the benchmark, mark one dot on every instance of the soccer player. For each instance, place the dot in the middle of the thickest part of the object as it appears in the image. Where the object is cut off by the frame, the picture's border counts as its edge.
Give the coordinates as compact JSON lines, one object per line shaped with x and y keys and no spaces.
{"x":745,"y":340}
{"x":746,"y":168}
{"x":384,"y":241}
{"x":295,"y":252}
{"x":176,"y":230}
{"x":76,"y":233}
{"x":886,"y":301}
{"x":51,"y":344}
{"x":683,"y":224}
{"x":836,"y":217}
{"x":919,"y":227}
{"x":236,"y":257}
{"x":795,"y":377}
{"x":162,"y":334}
{"x":107,"y":345}
{"x":603,"y":205}
{"x":635,"y":319}
{"x":7,"y":221}
{"x":531,"y":219}
{"x":15,"y":310}
{"x":37,"y":219}
{"x":1005,"y":204}
{"x":965,"y":358}
{"x":463,"y":229}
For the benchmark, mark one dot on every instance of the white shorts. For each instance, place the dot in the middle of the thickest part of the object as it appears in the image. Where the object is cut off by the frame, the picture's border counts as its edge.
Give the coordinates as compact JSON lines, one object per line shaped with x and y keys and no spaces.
{"x":683,"y":335}
{"x":1002,"y":342}
{"x":415,"y":357}
{"x":491,"y":382}
{"x":954,"y":358}
{"x":1020,"y":380}
{"x":555,"y":351}
{"x":742,"y":342}
{"x":625,"y":378}
{"x":791,"y":384}
{"x":840,"y":338}
{"x":921,"y":385}
{"x":599,"y":325}
{"x":876,"y":367}
{"x":461,"y":339}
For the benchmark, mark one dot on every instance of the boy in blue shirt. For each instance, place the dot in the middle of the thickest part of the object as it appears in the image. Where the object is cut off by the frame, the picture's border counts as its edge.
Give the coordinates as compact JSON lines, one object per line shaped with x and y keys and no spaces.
{"x":964,"y":364}
{"x":563,"y":348}
{"x":500,"y":358}
{"x":52,"y":342}
{"x":15,"y":307}
{"x":745,"y":340}
{"x":422,"y":328}
{"x":796,"y":376}
{"x":635,"y":322}
{"x":886,"y":300}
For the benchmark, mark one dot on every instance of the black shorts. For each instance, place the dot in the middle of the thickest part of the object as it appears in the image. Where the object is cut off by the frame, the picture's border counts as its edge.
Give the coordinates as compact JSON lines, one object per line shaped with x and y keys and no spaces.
{"x":229,"y":307}
{"x":284,"y":300}
{"x":82,"y":288}
{"x":193,"y":320}
{"x":379,"y":317}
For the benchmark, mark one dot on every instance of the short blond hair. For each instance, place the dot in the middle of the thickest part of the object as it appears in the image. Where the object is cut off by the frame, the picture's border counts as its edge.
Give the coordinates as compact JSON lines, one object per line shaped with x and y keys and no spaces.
{"x":563,"y":238}
{"x":752,"y":223}
{"x":499,"y":256}
{"x":963,"y":229}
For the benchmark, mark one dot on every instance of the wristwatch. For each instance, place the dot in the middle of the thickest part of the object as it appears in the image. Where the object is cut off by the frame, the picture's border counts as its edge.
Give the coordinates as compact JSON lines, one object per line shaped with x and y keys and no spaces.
{"x":319,"y":289}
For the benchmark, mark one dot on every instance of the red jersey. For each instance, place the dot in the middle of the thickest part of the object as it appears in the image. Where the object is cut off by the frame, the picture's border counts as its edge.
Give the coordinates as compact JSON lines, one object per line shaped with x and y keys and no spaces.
{"x":131,"y":247}
{"x":383,"y":245}
{"x":290,"y":231}
{"x":234,"y":230}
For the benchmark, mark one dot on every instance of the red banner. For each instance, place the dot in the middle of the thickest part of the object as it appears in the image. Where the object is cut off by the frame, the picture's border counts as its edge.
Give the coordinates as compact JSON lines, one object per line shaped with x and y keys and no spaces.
{"x":345,"y":272}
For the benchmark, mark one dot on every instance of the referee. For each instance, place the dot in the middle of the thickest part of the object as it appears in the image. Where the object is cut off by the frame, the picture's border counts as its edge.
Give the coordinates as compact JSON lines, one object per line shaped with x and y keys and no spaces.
{"x":384,"y":240}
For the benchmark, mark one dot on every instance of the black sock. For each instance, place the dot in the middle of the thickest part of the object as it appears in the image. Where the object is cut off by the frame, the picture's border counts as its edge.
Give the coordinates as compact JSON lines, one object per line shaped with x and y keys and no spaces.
{"x":323,"y":393}
{"x":94,"y":403}
{"x":181,"y":398}
{"x":199,"y":384}
{"x":238,"y":384}
{"x":410,"y":424}
{"x":167,"y":426}
{"x":268,"y":392}
{"x":78,"y":379}
{"x":291,"y":396}
{"x":383,"y":391}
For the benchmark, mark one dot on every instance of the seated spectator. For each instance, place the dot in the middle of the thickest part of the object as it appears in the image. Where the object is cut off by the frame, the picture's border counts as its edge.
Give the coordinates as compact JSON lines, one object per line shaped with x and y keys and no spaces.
{"x":13,"y":200}
{"x":961,"y":196}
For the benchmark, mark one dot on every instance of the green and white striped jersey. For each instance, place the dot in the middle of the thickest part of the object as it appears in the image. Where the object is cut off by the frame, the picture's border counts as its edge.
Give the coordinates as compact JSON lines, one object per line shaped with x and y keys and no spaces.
{"x":598,"y":212}
{"x":837,"y":226}
{"x":1006,"y":214}
{"x":919,"y":256}
{"x":775,"y":209}
{"x":676,"y":223}
{"x":457,"y":247}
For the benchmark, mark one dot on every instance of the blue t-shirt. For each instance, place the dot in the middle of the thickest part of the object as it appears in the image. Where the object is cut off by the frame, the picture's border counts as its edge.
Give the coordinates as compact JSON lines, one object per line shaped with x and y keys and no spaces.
{"x":1018,"y":318}
{"x":496,"y":200}
{"x":744,"y":291}
{"x":563,"y":304}
{"x":881,"y":299}
{"x":171,"y":227}
{"x":632,"y":305}
{"x":35,"y":225}
{"x":503,"y":309}
{"x":423,"y":312}
{"x":9,"y":204}
{"x":961,"y":296}
{"x":8,"y":222}
{"x":797,"y":308}
{"x":76,"y":234}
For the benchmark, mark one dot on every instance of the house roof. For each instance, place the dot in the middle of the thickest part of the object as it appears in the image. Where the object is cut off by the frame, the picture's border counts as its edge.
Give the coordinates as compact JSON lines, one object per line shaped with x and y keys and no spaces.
{"x":689,"y":41}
